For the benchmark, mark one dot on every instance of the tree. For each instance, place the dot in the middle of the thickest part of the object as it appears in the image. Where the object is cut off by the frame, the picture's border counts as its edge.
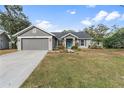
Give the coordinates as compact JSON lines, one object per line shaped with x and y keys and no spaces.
{"x":97,"y":32}
{"x":116,"y":40}
{"x":12,"y":20}
{"x":113,"y":30}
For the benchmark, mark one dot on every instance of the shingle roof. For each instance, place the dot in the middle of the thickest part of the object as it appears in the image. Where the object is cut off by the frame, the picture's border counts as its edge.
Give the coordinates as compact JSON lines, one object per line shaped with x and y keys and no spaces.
{"x":1,"y":32}
{"x":80,"y":34}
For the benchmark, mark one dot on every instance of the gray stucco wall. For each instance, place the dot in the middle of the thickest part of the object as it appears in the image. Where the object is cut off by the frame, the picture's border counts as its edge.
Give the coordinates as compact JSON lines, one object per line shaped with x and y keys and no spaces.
{"x":54,"y":42}
{"x":4,"y":42}
{"x":31,"y":35}
{"x":87,"y":42}
{"x":35,"y":32}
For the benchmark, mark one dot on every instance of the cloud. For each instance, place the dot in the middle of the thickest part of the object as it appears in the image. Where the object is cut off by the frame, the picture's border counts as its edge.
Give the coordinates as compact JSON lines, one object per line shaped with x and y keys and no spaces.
{"x":58,"y":30}
{"x":91,"y":6}
{"x":100,"y":16}
{"x":122,"y":17}
{"x":113,"y":15}
{"x":72,"y":12}
{"x":103,"y":16}
{"x":38,"y":21}
{"x":43,"y":24}
{"x":86,"y":22}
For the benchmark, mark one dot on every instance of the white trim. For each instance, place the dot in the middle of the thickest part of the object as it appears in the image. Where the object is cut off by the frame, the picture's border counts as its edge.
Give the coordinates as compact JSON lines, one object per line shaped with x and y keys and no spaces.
{"x":35,"y":37}
{"x":69,"y":34}
{"x":22,"y":31}
{"x":87,"y":43}
{"x":19,"y":43}
{"x":5,"y":33}
{"x":84,"y":43}
{"x":57,"y":42}
{"x":50,"y":44}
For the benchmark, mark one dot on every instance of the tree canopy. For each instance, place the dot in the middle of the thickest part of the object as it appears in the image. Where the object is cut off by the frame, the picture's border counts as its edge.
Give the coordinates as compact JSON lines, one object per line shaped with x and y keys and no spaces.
{"x":97,"y":32}
{"x":13,"y":19}
{"x":116,"y":40}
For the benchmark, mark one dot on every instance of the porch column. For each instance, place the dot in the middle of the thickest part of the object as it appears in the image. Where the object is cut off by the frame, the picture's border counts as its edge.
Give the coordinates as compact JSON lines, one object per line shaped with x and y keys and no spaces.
{"x":64,"y":42}
{"x":73,"y":42}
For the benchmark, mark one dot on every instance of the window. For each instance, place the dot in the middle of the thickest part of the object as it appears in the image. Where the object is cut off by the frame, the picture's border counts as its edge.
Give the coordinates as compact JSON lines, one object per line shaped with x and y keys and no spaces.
{"x":82,"y":42}
{"x":98,"y":43}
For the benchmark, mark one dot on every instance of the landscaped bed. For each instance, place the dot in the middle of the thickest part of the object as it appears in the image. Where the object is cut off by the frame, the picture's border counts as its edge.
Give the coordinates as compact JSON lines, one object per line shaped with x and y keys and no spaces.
{"x":85,"y":68}
{"x":7,"y":51}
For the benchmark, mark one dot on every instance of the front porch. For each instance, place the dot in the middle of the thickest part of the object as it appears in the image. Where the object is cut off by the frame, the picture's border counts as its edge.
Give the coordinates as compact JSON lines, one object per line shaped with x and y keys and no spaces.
{"x":69,"y":41}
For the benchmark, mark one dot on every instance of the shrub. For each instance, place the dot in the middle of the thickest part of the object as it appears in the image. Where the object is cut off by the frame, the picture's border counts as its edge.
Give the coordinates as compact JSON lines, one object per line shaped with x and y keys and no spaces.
{"x":116,"y":40}
{"x":74,"y":47}
{"x":95,"y":46}
{"x":61,"y":47}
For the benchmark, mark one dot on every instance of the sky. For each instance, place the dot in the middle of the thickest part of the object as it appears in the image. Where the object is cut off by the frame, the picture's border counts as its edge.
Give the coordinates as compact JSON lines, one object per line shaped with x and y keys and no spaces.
{"x":56,"y":18}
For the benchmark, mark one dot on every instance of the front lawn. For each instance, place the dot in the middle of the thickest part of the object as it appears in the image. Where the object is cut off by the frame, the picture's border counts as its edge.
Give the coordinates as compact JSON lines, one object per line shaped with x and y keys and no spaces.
{"x":7,"y":51}
{"x":85,"y":68}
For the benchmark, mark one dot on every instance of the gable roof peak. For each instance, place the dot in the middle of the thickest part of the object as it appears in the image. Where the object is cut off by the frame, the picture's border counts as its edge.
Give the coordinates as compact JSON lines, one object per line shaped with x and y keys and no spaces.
{"x":29,"y":27}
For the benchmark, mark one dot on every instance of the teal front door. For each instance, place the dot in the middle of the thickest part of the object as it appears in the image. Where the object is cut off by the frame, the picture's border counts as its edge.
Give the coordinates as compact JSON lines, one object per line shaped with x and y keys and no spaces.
{"x":69,"y":43}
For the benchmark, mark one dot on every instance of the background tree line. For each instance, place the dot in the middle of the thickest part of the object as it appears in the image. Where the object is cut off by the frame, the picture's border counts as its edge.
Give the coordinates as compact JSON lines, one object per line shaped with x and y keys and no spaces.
{"x":109,"y":37}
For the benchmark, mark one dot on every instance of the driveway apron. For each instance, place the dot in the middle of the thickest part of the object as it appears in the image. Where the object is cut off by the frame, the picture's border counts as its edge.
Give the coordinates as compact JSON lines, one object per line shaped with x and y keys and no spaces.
{"x":16,"y":67}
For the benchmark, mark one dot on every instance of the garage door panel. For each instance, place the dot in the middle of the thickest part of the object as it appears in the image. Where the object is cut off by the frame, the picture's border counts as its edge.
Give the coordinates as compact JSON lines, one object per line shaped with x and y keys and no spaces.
{"x":34,"y":44}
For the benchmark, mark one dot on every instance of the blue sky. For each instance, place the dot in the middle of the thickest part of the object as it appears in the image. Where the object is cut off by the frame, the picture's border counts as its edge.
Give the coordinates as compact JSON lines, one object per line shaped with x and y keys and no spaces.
{"x":74,"y":17}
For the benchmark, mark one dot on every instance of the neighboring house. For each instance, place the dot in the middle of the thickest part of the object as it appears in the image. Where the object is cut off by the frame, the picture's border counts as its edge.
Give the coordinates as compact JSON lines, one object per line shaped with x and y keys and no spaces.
{"x":4,"y":40}
{"x":34,"y":38}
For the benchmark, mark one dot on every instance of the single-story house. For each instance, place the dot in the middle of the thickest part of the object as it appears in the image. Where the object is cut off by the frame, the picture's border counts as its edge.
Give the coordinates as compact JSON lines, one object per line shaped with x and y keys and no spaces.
{"x":34,"y":38}
{"x":71,"y":38}
{"x":4,"y":40}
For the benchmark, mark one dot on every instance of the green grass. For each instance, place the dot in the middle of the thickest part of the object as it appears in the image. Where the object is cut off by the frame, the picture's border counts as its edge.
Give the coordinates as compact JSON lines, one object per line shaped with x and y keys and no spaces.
{"x":85,"y":68}
{"x":7,"y":51}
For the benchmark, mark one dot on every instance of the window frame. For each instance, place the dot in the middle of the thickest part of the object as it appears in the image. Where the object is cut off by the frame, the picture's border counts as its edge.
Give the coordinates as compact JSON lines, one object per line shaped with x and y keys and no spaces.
{"x":82,"y":44}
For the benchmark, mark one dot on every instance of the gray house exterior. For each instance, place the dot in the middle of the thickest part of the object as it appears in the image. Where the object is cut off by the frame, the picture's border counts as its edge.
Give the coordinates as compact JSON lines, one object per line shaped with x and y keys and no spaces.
{"x":4,"y":40}
{"x":34,"y":38}
{"x":71,"y":38}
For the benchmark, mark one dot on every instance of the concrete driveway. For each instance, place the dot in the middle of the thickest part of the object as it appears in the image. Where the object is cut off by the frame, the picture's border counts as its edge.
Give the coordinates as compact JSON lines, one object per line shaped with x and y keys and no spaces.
{"x":16,"y":67}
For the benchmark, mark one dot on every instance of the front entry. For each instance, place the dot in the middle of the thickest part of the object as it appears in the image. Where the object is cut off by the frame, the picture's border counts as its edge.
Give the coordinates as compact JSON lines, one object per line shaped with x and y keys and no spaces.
{"x":69,"y":43}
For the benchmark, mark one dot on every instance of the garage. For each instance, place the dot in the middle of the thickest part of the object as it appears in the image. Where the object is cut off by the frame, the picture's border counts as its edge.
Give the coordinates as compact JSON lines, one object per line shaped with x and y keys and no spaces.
{"x":34,"y":44}
{"x":34,"y":38}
